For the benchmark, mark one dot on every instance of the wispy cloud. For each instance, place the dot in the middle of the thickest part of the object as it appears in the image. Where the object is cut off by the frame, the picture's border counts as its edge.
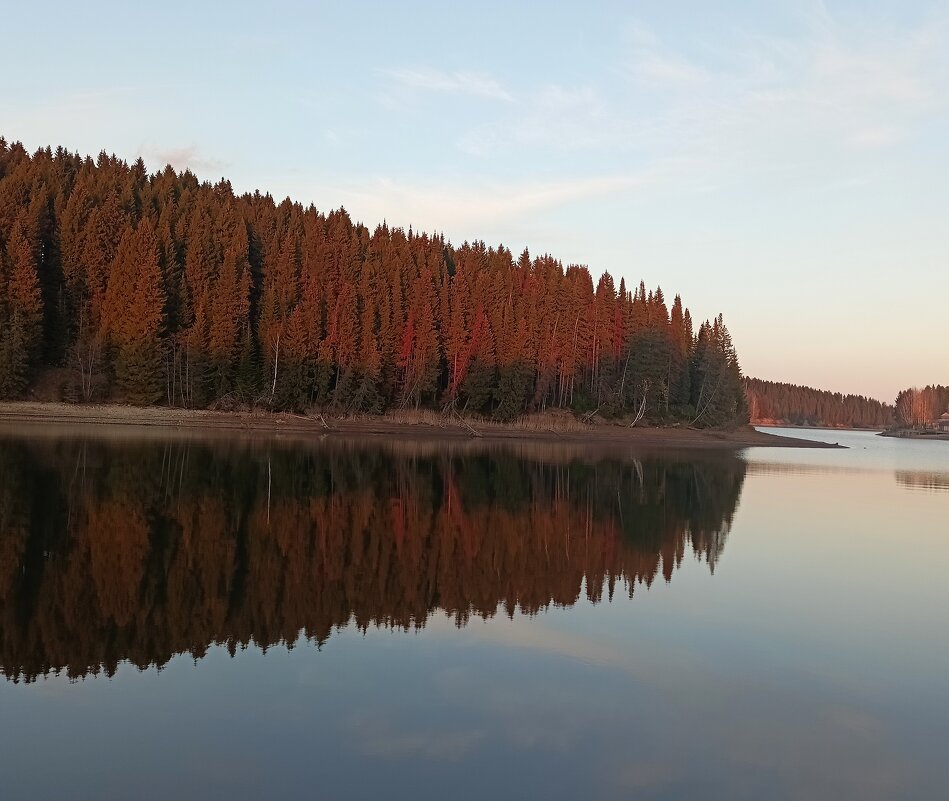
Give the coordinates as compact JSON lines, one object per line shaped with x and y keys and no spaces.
{"x":742,"y":104}
{"x":461,"y":82}
{"x":93,"y":118}
{"x":653,"y":63}
{"x":187,"y":157}
{"x":465,"y":204}
{"x":556,"y":118}
{"x":794,"y":98}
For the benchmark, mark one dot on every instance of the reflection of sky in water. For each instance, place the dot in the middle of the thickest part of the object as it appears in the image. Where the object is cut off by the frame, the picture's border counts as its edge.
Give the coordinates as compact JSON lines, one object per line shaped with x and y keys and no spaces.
{"x":918,"y":465}
{"x":813,"y":664}
{"x":864,"y":451}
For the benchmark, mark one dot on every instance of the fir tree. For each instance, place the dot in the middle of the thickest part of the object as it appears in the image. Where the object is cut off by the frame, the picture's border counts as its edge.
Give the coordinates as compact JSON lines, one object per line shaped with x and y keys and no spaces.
{"x":21,"y":312}
{"x":133,"y":316}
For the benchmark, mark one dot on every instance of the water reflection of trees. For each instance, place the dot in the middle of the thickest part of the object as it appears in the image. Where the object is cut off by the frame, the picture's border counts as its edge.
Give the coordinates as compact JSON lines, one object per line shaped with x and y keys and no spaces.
{"x":922,"y":480}
{"x":112,"y":552}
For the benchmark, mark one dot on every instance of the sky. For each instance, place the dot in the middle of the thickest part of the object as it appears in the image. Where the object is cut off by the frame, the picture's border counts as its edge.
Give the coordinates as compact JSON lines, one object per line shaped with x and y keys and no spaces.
{"x":784,"y":163}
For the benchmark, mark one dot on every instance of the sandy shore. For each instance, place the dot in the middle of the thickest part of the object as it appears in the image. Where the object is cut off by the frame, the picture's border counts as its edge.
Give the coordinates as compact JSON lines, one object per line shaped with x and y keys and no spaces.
{"x":14,"y":416}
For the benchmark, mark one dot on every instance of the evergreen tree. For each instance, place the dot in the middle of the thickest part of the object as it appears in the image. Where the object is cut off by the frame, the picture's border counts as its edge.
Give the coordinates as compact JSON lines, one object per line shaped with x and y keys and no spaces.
{"x":162,"y":288}
{"x":775,"y":402}
{"x":133,"y":316}
{"x":21,"y":312}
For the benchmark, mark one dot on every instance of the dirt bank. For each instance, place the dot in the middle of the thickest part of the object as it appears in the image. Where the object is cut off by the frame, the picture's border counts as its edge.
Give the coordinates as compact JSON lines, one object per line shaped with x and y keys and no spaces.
{"x":74,"y":418}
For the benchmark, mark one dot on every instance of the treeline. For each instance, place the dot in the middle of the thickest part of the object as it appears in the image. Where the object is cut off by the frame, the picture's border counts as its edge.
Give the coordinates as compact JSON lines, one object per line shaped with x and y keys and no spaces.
{"x":140,"y":552}
{"x":919,"y":408}
{"x":120,"y":285}
{"x":777,"y":402}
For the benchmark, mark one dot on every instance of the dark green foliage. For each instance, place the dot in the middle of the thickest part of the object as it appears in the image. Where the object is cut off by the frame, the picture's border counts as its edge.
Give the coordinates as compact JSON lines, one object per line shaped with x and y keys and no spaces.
{"x":717,"y":393}
{"x":21,"y":310}
{"x":160,"y":288}
{"x":515,"y":385}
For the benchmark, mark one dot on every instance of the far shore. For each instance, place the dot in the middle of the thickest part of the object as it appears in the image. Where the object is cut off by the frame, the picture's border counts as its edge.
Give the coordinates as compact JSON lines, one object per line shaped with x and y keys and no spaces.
{"x":773,"y":424}
{"x":908,"y":433}
{"x":17,"y":416}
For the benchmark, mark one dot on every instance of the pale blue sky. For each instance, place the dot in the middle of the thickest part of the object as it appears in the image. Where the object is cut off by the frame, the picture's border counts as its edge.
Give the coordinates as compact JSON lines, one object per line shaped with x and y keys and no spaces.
{"x":784,"y":163}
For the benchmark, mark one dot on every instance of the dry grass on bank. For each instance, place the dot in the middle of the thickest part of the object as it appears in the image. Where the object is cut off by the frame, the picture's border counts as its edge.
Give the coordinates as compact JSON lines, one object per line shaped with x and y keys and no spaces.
{"x":421,"y":424}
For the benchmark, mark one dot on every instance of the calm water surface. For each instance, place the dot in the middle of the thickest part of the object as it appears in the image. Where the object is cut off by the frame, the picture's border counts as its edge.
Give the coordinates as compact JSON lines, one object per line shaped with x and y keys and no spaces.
{"x":272,"y":619}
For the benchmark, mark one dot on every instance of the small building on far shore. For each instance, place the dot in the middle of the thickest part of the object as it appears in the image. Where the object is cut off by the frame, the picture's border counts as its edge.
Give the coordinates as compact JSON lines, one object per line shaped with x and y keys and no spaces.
{"x":942,"y":424}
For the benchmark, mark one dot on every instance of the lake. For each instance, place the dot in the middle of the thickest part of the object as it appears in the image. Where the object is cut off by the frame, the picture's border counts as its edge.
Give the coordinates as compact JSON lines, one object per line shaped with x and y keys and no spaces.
{"x":188,"y":618}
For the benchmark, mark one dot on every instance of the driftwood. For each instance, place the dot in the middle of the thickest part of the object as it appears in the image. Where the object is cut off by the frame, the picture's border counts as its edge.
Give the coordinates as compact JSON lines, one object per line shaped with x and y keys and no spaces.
{"x":589,"y":415}
{"x":465,"y":423}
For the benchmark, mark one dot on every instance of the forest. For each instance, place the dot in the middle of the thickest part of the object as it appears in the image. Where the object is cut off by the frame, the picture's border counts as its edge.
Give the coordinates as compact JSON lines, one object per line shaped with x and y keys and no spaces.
{"x":142,"y":551}
{"x":776,"y":402}
{"x":118,"y":285}
{"x":918,"y":407}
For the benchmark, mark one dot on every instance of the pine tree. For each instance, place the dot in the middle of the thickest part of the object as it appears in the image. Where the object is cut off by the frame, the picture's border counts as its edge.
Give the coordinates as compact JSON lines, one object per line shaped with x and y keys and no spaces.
{"x":133,"y":317}
{"x":21,"y":312}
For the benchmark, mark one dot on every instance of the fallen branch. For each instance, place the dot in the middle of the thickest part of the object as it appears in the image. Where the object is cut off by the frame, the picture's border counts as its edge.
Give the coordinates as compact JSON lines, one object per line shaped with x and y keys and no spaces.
{"x":465,"y":424}
{"x":589,"y":415}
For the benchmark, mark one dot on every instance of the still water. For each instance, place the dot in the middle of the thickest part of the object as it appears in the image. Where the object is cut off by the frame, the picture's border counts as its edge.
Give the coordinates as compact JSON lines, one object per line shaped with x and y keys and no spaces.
{"x":244,"y":619}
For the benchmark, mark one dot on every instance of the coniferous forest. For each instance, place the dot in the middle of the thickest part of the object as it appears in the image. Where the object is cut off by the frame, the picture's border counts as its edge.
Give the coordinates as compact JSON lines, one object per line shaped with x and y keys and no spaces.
{"x":777,"y":402}
{"x":120,"y":285}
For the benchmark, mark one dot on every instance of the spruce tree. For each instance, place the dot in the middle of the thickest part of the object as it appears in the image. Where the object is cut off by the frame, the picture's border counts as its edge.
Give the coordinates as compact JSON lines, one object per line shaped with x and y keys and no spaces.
{"x":134,"y":316}
{"x":21,"y":312}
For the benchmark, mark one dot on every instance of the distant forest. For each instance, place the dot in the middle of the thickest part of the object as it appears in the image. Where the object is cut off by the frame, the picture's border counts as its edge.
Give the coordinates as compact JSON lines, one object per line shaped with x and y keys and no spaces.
{"x":918,"y":408}
{"x":120,"y":285}
{"x":776,"y":402}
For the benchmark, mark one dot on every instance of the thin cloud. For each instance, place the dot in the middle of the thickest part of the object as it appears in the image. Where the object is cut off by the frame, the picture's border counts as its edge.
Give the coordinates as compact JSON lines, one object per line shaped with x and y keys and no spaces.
{"x":555,"y":117}
{"x":462,"y":82}
{"x":188,"y":157}
{"x":467,"y":204}
{"x":652,"y":63}
{"x":741,"y":107}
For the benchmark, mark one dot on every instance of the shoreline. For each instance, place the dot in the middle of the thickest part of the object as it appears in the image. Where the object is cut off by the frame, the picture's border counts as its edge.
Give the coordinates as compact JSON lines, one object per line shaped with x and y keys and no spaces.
{"x":870,"y":430}
{"x":910,"y":434}
{"x":15,"y":414}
